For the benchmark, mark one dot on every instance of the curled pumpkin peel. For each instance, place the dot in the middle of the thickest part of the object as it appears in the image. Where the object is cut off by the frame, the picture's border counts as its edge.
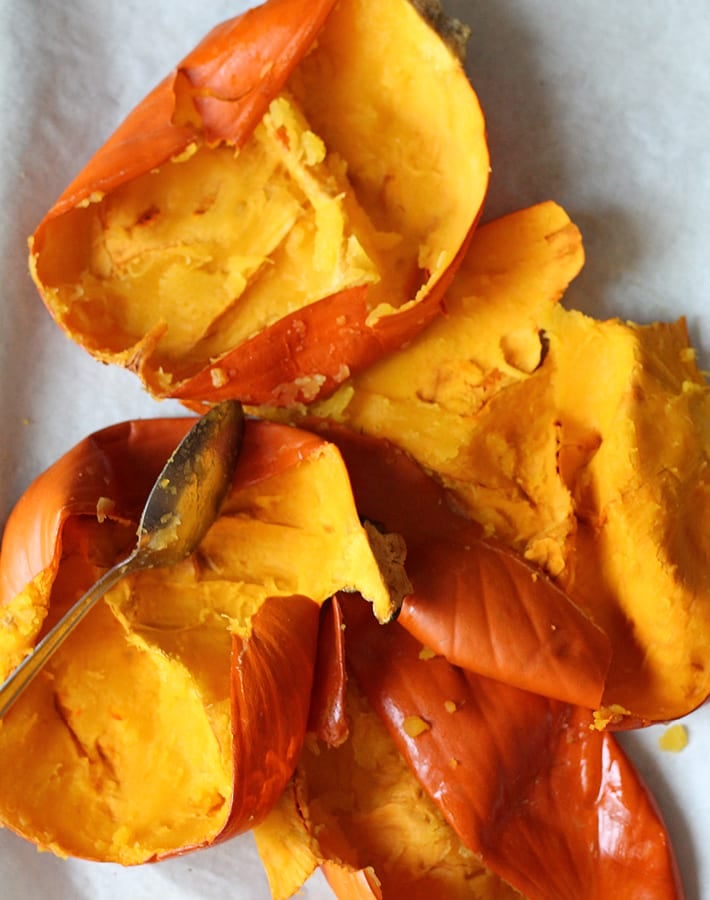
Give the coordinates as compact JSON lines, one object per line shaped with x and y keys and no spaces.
{"x":522,"y":797}
{"x":532,"y":782}
{"x":271,"y":218}
{"x":581,"y":444}
{"x":231,"y":680}
{"x":360,"y":812}
{"x":149,"y":725}
{"x":472,"y":599}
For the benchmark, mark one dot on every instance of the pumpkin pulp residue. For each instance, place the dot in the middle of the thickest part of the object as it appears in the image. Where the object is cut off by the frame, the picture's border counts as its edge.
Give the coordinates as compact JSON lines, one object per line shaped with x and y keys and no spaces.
{"x":214,"y":247}
{"x":361,"y":805}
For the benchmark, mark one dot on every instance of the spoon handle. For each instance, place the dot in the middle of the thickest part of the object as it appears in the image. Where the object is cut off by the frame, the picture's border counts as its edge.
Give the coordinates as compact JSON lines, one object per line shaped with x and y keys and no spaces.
{"x":20,"y":678}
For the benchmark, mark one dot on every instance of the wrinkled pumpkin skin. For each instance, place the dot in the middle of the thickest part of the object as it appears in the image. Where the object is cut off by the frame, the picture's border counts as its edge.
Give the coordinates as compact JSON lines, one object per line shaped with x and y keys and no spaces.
{"x":356,"y":204}
{"x":286,"y":207}
{"x":174,"y":716}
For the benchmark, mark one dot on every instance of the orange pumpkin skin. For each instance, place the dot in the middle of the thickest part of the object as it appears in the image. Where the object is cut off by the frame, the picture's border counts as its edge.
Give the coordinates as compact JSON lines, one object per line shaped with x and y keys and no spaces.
{"x":551,"y":805}
{"x":501,"y":401}
{"x":121,"y":462}
{"x":327,"y":717}
{"x":272,"y":671}
{"x":62,"y":492}
{"x":473,"y":601}
{"x":215,"y":98}
{"x":268,"y":672}
{"x":358,"y":885}
{"x":359,"y":811}
{"x":231,"y":90}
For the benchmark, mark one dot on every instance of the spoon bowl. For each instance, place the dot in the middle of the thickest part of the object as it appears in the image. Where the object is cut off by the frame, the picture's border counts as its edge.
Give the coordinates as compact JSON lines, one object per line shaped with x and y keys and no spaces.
{"x":183,"y":503}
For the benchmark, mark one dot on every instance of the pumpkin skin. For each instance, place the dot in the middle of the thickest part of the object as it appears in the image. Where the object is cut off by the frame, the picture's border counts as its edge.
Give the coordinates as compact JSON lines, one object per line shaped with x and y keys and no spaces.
{"x":537,"y":801}
{"x":174,"y":716}
{"x":360,"y":812}
{"x":269,"y":664}
{"x":501,"y":400}
{"x":256,"y":372}
{"x":532,"y":781}
{"x":327,"y":717}
{"x":473,"y":600}
{"x":352,"y":210}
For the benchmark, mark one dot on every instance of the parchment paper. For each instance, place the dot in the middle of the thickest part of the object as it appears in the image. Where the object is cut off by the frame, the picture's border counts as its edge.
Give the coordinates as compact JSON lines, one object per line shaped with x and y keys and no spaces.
{"x":601,"y":106}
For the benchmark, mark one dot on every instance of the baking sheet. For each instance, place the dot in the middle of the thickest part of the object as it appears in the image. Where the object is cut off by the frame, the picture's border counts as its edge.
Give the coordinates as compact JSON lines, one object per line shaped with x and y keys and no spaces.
{"x":602,"y":107}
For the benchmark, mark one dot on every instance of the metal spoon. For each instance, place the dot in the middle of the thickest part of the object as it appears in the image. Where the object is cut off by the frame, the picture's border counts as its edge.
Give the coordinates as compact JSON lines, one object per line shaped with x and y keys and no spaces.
{"x":183,"y":503}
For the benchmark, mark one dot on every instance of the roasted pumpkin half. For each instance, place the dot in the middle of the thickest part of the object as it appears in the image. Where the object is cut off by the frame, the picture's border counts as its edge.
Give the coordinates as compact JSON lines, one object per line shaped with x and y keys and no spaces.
{"x":273,"y":217}
{"x":174,"y":715}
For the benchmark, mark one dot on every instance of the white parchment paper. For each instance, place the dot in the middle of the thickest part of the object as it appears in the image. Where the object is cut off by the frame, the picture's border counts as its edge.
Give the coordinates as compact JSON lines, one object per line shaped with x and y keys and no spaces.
{"x":601,"y":106}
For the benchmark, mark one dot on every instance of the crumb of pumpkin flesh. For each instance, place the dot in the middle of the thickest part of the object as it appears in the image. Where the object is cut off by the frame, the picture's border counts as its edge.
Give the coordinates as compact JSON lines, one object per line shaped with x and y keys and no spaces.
{"x":674,"y":739}
{"x":365,"y":808}
{"x":133,"y":713}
